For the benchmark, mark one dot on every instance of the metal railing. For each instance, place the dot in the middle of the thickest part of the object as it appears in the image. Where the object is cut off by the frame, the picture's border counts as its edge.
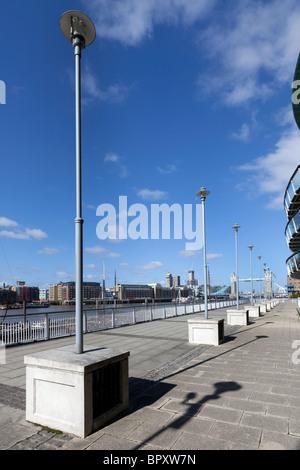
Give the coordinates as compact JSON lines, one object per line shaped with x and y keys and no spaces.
{"x":37,"y":327}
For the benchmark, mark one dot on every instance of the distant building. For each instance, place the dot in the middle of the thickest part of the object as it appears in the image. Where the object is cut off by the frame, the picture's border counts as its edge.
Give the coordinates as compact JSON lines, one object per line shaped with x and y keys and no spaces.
{"x":175,"y":281}
{"x":66,"y":291}
{"x":25,"y":293}
{"x":134,"y":291}
{"x":192,"y":282}
{"x":7,"y":295}
{"x":169,"y":280}
{"x":165,"y":293}
{"x":292,"y":286}
{"x":44,"y":294}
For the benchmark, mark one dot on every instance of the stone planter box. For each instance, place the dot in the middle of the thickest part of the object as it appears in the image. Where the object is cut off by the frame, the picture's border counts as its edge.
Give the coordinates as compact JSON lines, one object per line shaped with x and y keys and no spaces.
{"x":206,"y":331}
{"x":76,"y":393}
{"x":237,"y":317}
{"x":253,"y":311}
{"x":263,"y":308}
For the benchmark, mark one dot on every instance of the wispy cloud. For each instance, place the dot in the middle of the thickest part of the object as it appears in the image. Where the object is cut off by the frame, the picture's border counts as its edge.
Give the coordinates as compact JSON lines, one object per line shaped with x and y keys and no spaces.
{"x":252,"y":46}
{"x":269,"y":174}
{"x":150,"y":265}
{"x":167,"y":170}
{"x":92,"y":90}
{"x":151,"y":195}
{"x":118,"y":165}
{"x":243,"y":134}
{"x":5,"y":222}
{"x":100,"y":251}
{"x":131,"y":21}
{"x":48,"y":251}
{"x":27,"y":234}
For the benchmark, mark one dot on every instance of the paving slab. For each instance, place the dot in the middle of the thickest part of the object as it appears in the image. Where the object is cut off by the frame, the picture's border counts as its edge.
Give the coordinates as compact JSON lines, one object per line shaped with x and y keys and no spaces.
{"x":242,"y":394}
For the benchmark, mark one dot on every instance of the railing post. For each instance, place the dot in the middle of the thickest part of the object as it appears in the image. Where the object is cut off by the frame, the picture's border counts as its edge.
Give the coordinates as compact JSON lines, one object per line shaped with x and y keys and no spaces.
{"x":84,"y":321}
{"x":133,"y":316}
{"x":165,"y":313}
{"x":113,"y":318}
{"x":47,"y":329}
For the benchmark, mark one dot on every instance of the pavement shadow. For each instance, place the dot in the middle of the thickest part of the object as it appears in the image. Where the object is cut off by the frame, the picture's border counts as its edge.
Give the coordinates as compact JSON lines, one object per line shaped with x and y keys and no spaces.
{"x":190,"y":409}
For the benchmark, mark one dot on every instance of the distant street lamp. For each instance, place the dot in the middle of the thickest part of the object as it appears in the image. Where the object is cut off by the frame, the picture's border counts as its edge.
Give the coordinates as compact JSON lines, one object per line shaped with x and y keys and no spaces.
{"x":236,"y":227}
{"x":80,"y":31}
{"x":259,"y":258}
{"x":250,"y":247}
{"x":203,"y":193}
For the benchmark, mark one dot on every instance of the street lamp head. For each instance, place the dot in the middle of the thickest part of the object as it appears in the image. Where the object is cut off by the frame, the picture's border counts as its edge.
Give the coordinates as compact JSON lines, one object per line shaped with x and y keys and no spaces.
{"x":259,"y":257}
{"x":76,"y":25}
{"x":236,"y":227}
{"x":251,"y":246}
{"x":203,"y":192}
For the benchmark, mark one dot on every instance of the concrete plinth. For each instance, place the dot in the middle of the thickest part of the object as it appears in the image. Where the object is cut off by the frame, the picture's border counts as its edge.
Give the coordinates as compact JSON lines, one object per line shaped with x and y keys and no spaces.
{"x":268,"y":306}
{"x":206,"y":331}
{"x":253,"y":311}
{"x":237,"y":317}
{"x":263,"y":308}
{"x":76,"y":393}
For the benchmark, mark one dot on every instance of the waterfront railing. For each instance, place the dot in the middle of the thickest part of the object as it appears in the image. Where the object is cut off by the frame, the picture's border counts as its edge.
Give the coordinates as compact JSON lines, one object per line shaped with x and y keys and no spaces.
{"x":30,"y":327}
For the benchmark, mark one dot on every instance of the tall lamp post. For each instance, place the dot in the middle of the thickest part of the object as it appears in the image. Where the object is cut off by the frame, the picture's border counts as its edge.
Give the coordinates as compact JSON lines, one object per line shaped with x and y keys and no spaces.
{"x":236,"y":228}
{"x":80,"y":31}
{"x":250,"y":248}
{"x":259,"y":258}
{"x":203,"y":193}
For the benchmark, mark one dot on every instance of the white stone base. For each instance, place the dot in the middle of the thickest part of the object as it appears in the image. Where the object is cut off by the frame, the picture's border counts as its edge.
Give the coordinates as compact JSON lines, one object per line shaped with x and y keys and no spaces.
{"x":237,"y":317}
{"x":268,"y":306}
{"x":253,"y":311}
{"x":263,"y":308}
{"x":63,"y":391}
{"x":206,"y":331}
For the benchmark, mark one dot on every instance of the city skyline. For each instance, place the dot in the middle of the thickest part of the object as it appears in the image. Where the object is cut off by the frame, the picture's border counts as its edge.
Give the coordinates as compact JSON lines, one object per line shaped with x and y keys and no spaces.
{"x":174,"y":98}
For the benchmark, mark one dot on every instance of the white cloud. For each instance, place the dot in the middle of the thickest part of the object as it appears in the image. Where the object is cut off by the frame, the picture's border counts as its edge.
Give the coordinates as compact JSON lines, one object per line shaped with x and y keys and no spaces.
{"x":189,"y":253}
{"x":118,"y":166}
{"x":150,"y":265}
{"x":64,"y":275}
{"x":242,"y":134}
{"x":214,"y":255}
{"x":251,"y":48}
{"x":115,"y":93}
{"x":95,"y":250}
{"x":270,"y":174}
{"x":5,"y":222}
{"x":48,"y":251}
{"x":91,"y":266}
{"x":100,"y":251}
{"x":169,"y":169}
{"x":150,"y":195}
{"x":28,"y":234}
{"x":130,"y":21}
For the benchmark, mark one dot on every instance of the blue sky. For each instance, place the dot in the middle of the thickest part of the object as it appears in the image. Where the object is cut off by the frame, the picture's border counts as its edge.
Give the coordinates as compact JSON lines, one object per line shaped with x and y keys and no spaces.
{"x":176,"y":95}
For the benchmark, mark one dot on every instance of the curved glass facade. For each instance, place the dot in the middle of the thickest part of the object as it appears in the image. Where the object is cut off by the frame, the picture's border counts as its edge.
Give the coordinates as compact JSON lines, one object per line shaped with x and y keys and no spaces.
{"x":292,"y":230}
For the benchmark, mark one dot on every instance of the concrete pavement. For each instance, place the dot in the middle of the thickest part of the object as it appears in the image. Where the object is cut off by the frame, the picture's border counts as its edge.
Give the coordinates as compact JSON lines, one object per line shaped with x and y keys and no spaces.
{"x":243,"y":394}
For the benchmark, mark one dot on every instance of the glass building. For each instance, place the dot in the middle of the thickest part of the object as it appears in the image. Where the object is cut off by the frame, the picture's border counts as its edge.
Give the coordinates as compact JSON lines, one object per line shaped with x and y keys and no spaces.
{"x":292,"y":230}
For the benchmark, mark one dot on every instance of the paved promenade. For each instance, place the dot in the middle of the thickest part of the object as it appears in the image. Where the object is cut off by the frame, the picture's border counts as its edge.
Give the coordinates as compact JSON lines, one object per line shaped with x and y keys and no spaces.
{"x":243,"y":394}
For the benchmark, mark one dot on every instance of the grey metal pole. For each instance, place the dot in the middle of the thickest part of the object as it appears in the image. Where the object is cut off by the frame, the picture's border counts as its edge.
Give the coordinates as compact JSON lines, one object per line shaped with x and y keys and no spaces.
{"x":236,"y":227}
{"x":204,"y":257}
{"x":259,"y":258}
{"x":237,"y":270}
{"x":80,"y":31}
{"x":78,"y":44}
{"x":251,"y":246}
